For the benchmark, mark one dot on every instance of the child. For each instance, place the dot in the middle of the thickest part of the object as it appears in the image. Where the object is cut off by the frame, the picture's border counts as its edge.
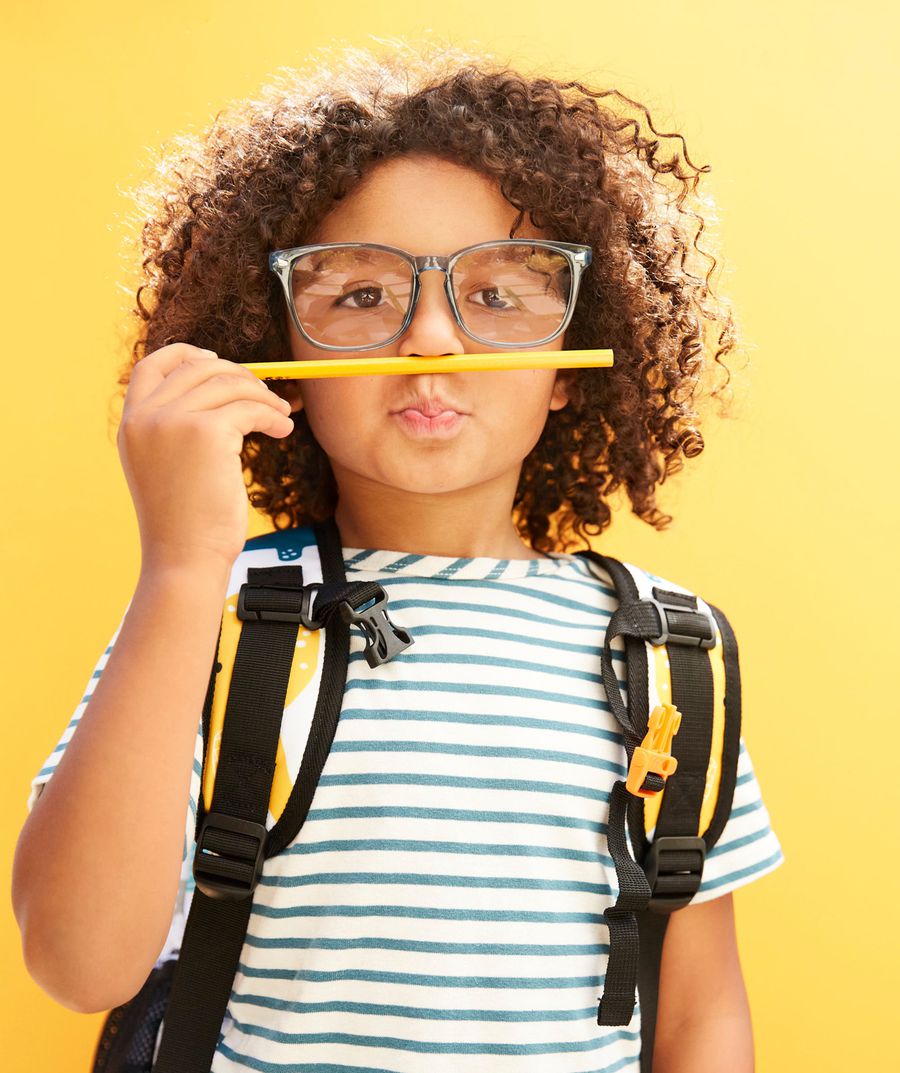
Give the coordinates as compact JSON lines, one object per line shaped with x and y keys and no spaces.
{"x":442,"y":906}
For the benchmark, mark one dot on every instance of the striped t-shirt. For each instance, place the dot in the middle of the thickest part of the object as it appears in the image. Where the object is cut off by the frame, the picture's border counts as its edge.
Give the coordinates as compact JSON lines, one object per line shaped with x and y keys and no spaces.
{"x":442,"y":906}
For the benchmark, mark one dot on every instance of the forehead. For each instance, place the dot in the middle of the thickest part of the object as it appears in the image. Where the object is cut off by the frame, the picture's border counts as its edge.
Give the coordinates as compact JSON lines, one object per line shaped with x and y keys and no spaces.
{"x":423,"y":204}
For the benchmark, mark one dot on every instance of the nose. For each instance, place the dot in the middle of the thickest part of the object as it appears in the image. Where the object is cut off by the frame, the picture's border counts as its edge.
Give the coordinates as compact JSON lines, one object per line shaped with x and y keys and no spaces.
{"x":433,"y":330}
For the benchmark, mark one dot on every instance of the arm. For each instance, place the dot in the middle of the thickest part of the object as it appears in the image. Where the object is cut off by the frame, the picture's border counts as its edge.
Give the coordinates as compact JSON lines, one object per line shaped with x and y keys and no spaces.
{"x":703,"y":1021}
{"x":98,"y":861}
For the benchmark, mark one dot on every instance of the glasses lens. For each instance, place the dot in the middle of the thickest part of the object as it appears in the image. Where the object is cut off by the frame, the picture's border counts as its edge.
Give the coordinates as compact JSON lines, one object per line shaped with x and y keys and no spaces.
{"x":515,"y":293}
{"x":351,"y":296}
{"x":354,"y":297}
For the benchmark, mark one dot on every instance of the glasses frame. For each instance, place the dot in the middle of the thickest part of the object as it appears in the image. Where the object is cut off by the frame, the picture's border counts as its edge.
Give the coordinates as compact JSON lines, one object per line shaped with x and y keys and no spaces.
{"x":579,"y":256}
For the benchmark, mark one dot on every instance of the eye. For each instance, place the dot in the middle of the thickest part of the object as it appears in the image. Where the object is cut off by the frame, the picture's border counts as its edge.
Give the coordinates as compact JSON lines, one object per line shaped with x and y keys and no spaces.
{"x":367,"y":296}
{"x":493,"y":299}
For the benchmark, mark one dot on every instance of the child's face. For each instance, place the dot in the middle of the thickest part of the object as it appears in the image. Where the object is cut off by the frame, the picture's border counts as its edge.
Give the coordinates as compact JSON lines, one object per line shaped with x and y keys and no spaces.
{"x":425,"y":205}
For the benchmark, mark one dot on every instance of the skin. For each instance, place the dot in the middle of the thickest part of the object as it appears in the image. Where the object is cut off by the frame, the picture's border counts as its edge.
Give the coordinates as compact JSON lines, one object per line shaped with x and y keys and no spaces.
{"x":439,"y":497}
{"x":454,"y":498}
{"x":703,"y":1021}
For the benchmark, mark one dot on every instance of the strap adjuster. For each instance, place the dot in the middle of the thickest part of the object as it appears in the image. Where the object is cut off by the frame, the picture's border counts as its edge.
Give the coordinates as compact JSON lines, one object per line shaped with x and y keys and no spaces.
{"x":684,"y":626}
{"x":271,"y":603}
{"x":229,"y":857}
{"x":674,"y":868}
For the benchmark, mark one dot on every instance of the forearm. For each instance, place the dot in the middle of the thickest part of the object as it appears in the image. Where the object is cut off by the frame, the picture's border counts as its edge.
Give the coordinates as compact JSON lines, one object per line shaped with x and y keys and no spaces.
{"x":98,"y":862}
{"x":707,"y":1045}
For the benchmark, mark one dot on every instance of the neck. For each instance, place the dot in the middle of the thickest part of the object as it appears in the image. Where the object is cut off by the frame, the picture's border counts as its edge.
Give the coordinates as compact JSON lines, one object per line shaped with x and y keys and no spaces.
{"x":464,"y":523}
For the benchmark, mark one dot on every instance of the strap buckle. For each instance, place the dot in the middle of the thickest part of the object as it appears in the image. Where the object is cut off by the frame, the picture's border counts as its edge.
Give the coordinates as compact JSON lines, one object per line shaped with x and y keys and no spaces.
{"x":686,"y":626}
{"x":674,"y":868}
{"x":384,"y":639}
{"x":270,"y":603}
{"x":229,"y":857}
{"x":654,"y":754}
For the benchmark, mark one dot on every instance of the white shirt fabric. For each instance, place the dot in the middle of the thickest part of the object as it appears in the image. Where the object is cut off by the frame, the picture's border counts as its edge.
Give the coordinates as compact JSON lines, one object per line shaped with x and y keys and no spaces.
{"x":442,"y":906}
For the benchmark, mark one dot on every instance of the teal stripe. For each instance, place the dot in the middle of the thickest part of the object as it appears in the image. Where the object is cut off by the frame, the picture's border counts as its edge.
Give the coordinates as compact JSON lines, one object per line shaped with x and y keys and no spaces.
{"x":361,"y":557}
{"x":411,"y":560}
{"x":494,"y":585}
{"x":736,"y":843}
{"x":444,"y":1047}
{"x":425,"y":1013}
{"x":558,"y":647}
{"x":427,"y":879}
{"x":520,"y":615}
{"x":479,"y":689}
{"x":742,"y":873}
{"x":466,"y":815}
{"x":744,"y":809}
{"x":443,"y":659}
{"x":454,"y":568}
{"x":318,"y":1067}
{"x":296,"y":1067}
{"x":420,"y":979}
{"x":91,"y":686}
{"x":410,"y":845}
{"x":417,"y":912}
{"x":379,"y":715}
{"x":422,"y":946}
{"x":498,"y":751}
{"x":53,"y":758}
{"x":462,"y":781}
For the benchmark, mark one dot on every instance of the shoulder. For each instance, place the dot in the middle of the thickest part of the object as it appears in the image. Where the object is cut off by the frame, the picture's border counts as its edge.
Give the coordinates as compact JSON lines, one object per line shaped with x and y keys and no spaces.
{"x":632,"y":579}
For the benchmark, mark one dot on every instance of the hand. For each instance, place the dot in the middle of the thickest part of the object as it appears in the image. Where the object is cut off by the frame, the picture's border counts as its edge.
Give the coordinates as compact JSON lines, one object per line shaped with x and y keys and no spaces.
{"x":185,"y":417}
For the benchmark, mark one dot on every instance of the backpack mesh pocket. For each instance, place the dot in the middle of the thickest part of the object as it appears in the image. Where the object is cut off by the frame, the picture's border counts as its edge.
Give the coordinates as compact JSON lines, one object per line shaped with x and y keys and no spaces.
{"x":128,"y":1037}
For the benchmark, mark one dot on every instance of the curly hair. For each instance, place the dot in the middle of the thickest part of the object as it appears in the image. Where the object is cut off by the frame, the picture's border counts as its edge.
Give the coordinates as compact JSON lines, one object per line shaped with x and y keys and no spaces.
{"x":268,"y":169}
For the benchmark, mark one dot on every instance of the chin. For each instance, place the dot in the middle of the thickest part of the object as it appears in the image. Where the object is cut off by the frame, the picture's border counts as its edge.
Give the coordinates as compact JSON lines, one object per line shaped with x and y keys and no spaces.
{"x":424,"y":476}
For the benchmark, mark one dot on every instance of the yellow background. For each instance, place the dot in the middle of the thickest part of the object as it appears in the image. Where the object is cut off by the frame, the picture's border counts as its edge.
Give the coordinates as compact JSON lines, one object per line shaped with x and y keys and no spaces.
{"x":788,"y":521}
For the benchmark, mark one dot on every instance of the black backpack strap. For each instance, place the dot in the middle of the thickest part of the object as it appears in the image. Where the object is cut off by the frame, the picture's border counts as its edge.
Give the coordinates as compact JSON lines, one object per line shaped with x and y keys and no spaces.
{"x":232,"y":840}
{"x":674,"y":860}
{"x":669,"y":873}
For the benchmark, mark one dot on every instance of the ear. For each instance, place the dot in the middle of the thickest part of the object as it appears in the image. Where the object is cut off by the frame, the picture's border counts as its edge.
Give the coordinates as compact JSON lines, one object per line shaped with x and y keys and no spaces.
{"x":564,"y":388}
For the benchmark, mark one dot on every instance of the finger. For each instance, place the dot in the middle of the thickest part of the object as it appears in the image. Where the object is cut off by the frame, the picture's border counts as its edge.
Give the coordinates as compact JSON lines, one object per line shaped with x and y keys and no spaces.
{"x":220,"y":388}
{"x":153,"y":368}
{"x":246,"y":416}
{"x":193,"y":370}
{"x":190,"y":376}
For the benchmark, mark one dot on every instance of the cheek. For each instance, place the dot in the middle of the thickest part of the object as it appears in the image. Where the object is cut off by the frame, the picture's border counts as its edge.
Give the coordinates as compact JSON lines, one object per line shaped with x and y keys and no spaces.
{"x":339,"y":411}
{"x":527,"y":395}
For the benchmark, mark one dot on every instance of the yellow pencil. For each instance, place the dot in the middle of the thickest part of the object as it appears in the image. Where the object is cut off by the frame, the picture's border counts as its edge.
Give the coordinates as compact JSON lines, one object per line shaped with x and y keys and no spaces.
{"x":452,"y":363}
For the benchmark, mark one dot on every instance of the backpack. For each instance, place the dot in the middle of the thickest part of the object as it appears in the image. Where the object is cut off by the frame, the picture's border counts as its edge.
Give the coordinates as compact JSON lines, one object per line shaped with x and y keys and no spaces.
{"x":681,"y":657}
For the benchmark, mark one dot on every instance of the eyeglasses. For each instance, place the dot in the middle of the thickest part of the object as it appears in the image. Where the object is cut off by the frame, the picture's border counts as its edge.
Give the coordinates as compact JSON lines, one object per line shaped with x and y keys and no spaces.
{"x":362,"y":295}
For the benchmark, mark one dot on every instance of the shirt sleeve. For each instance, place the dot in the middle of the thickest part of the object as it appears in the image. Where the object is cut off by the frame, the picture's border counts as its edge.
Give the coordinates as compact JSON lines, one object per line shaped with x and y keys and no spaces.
{"x":748,"y":847}
{"x":50,"y":765}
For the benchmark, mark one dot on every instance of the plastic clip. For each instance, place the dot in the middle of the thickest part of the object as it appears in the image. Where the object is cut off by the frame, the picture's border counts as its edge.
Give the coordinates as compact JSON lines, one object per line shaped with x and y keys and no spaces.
{"x":384,"y":639}
{"x":654,"y":754}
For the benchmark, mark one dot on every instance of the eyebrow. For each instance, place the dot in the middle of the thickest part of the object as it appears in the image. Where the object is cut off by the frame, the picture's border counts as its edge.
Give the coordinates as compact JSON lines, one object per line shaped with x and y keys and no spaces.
{"x":324,"y":258}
